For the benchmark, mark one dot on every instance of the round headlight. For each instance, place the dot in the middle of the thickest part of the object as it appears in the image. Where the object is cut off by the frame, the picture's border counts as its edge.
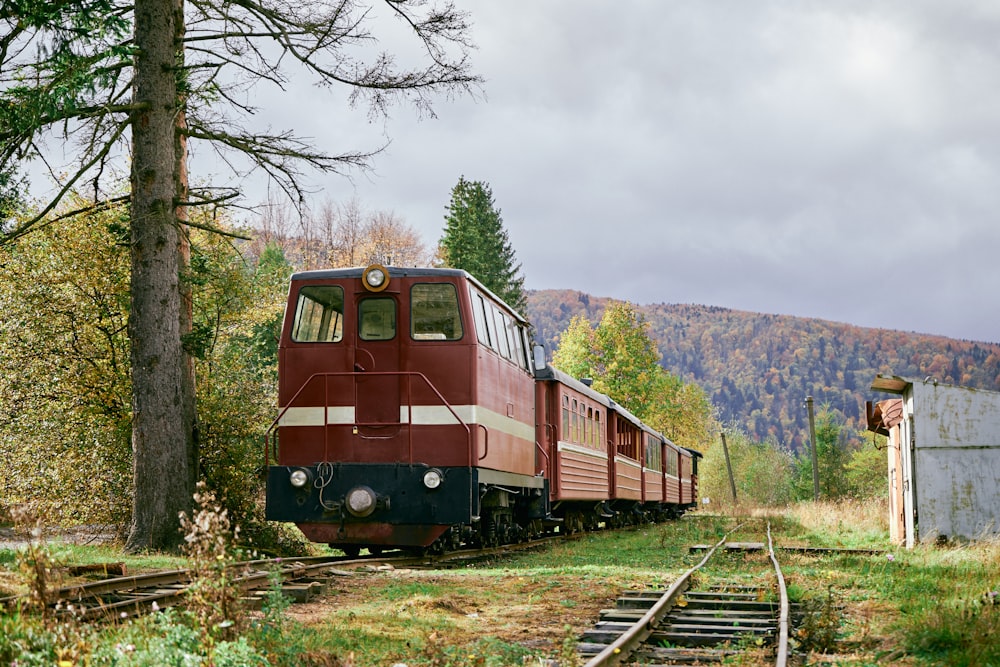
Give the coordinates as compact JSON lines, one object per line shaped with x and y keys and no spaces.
{"x":299,"y":478}
{"x":360,"y":501}
{"x":376,"y":278}
{"x":433,"y":478}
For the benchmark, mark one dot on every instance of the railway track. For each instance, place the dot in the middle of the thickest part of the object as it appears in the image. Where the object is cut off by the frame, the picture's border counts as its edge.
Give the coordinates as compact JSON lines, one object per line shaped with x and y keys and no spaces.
{"x":301,"y":579}
{"x":682,"y":626}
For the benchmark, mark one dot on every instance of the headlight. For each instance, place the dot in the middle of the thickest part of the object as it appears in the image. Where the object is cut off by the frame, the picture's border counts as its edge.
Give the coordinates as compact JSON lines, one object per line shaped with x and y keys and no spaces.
{"x":433,"y":478}
{"x":360,"y":501}
{"x":376,"y":278}
{"x":299,"y":478}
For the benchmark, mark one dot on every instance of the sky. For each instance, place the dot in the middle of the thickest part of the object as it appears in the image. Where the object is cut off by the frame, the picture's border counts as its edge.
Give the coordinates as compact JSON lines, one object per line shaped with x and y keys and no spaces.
{"x":837,"y":160}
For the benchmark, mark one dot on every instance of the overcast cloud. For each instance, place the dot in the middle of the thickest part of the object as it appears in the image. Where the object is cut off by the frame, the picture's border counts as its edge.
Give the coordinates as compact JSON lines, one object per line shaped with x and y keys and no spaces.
{"x":820,"y":159}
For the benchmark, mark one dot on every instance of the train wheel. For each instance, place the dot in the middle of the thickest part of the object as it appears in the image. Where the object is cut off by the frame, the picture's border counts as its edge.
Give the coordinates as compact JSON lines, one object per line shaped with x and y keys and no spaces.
{"x":352,"y":550}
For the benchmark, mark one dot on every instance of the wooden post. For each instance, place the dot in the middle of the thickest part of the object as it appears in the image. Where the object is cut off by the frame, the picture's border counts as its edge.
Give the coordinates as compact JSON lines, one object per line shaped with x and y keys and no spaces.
{"x":812,"y":445}
{"x":729,"y":468}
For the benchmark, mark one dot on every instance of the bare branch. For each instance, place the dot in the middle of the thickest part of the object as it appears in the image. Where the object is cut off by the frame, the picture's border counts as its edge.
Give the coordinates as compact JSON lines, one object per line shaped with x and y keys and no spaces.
{"x":25,"y":227}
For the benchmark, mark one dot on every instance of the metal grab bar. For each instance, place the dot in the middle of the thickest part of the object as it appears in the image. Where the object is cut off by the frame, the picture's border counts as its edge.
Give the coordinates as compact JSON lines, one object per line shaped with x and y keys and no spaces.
{"x":486,"y":443}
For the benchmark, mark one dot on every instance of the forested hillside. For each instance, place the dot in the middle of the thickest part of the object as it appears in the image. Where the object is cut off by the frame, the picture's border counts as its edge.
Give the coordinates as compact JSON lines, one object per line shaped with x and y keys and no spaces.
{"x":759,"y":368}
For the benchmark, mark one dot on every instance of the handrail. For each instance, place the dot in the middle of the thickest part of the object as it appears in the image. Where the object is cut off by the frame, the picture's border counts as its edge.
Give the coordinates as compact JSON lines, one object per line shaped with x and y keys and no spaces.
{"x":486,"y":443}
{"x":270,"y":446}
{"x":538,"y":445}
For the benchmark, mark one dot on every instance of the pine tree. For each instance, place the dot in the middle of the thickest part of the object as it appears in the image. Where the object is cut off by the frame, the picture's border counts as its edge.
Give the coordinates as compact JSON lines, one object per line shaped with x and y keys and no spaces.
{"x":107,"y":80}
{"x":476,"y":241}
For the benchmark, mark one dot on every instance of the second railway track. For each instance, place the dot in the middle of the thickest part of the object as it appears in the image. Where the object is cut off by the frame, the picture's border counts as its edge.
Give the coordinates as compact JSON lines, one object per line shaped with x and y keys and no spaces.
{"x":699,"y":619}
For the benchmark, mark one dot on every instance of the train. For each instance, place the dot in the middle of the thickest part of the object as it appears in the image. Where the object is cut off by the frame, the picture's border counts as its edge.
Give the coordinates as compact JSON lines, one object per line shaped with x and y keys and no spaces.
{"x":414,"y":412}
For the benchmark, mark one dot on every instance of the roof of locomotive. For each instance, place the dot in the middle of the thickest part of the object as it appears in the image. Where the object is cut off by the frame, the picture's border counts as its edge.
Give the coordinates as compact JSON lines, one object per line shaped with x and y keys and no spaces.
{"x":394,"y":271}
{"x":406,"y":272}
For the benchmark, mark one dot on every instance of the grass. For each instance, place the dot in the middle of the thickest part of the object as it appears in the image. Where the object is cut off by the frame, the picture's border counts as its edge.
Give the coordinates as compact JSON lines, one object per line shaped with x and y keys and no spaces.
{"x":931,"y":605}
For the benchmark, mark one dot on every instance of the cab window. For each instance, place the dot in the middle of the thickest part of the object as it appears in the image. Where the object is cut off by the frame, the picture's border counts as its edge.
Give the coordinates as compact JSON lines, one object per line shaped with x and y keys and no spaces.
{"x":434,"y":312}
{"x":479,"y":312}
{"x":319,"y":314}
{"x":377,"y":319}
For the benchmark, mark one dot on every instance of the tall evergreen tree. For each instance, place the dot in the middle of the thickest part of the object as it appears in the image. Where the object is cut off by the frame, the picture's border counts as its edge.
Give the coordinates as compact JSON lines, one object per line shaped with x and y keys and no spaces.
{"x":475,"y":240}
{"x":142,"y":78}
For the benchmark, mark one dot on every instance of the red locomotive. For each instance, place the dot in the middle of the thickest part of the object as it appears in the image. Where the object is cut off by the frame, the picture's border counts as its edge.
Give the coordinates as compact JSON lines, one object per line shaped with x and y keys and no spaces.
{"x":414,"y":413}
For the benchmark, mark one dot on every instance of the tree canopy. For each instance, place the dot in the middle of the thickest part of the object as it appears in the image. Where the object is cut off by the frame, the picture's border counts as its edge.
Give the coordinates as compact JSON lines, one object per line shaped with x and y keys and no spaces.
{"x":475,"y":240}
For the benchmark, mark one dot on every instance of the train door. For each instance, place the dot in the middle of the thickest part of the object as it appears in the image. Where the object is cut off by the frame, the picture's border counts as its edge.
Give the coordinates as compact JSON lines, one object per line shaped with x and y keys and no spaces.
{"x":376,"y":359}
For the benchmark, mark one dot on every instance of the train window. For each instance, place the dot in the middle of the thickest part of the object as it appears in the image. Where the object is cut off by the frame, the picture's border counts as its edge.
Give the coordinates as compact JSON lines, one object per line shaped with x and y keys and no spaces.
{"x":503,"y":346}
{"x":520,"y":349}
{"x":597,"y":429}
{"x":319,"y":314}
{"x":565,"y":417}
{"x":576,"y":422}
{"x":479,"y":312}
{"x":377,"y":319}
{"x":434,"y":312}
{"x":671,"y":462}
{"x":653,"y":455}
{"x":491,"y":325}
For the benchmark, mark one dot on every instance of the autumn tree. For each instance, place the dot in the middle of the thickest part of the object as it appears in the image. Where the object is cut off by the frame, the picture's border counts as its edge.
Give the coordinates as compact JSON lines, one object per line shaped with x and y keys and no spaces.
{"x":575,"y":354}
{"x":143,"y":78}
{"x":64,"y":351}
{"x":476,"y":240}
{"x":620,"y":356}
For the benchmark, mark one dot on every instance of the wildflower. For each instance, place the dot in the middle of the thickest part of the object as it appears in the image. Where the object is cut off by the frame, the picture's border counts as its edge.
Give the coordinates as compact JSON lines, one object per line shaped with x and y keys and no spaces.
{"x":155,"y":606}
{"x":890,"y":558}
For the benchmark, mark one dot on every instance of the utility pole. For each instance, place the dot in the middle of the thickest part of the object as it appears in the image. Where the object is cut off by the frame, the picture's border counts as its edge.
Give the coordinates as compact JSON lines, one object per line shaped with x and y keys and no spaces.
{"x":729,"y":467}
{"x":812,"y":446}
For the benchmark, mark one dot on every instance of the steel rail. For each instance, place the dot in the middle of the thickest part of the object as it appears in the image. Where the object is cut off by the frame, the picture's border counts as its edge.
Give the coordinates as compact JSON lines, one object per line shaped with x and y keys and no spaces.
{"x":134,"y":595}
{"x":630,"y":640}
{"x":782,"y":648}
{"x":83,"y":601}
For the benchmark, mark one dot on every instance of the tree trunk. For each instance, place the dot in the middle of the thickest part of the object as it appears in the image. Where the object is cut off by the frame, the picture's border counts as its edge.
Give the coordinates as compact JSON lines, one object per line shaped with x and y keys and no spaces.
{"x":190,"y":415}
{"x":161,"y":399}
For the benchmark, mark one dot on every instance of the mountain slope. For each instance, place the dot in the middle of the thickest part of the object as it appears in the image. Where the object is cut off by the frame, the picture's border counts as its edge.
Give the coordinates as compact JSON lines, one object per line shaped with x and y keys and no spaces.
{"x":758,"y":368}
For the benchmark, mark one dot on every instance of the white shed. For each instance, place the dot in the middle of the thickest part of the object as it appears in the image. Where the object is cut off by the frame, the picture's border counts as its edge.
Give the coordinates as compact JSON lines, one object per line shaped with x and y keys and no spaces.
{"x":944,"y":459}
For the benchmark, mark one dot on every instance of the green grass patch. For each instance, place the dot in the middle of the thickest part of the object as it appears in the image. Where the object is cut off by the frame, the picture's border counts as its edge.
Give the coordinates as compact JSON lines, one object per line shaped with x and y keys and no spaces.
{"x":931,"y":605}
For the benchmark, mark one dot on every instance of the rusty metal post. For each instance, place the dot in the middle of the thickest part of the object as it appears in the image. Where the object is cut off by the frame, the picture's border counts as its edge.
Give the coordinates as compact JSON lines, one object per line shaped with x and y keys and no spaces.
{"x":812,"y":445}
{"x":729,"y":467}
